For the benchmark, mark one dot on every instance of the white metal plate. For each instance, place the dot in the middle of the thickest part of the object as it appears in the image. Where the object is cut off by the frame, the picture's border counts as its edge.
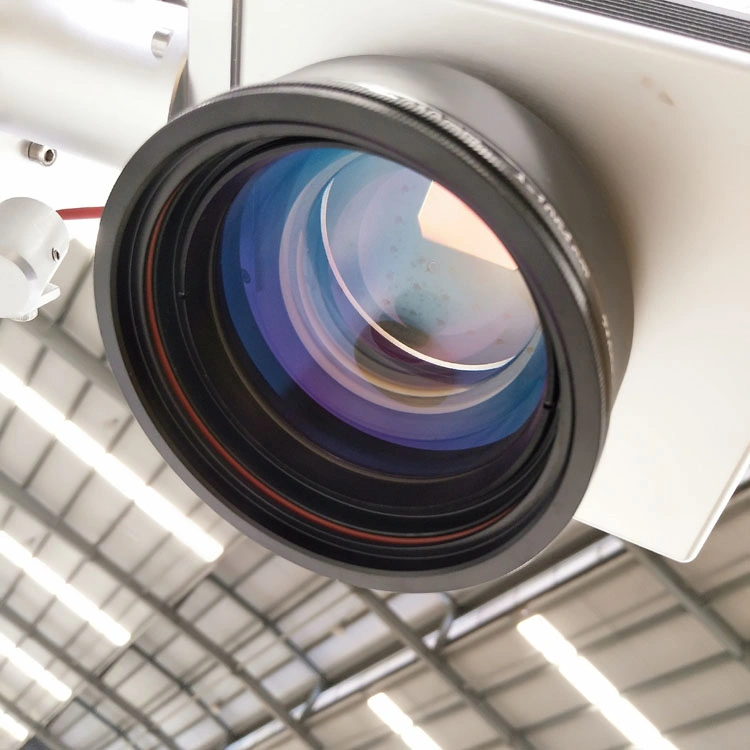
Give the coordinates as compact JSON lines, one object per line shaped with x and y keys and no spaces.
{"x":663,"y":122}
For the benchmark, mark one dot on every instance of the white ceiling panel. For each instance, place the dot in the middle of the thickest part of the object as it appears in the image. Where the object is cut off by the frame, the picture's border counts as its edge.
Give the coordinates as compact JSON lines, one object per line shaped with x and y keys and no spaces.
{"x":537,"y":699}
{"x":58,"y":479}
{"x":697,"y":697}
{"x":57,"y":382}
{"x":270,"y":585}
{"x":672,"y":644}
{"x":95,"y":510}
{"x":735,"y":609}
{"x":204,"y":733}
{"x":460,"y":730}
{"x":729,"y":735}
{"x":18,"y":350}
{"x":22,"y":444}
{"x":79,"y":321}
{"x":589,"y":731}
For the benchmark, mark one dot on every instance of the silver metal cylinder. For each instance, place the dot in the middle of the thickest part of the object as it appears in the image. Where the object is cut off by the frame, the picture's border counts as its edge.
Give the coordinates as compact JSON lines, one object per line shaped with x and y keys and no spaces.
{"x":44,"y":155}
{"x":84,"y":74}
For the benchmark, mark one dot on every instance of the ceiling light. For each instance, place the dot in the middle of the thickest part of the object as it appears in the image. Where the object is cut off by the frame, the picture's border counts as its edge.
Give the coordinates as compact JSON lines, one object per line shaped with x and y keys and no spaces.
{"x":13,"y":727}
{"x":32,"y":668}
{"x":417,"y":739}
{"x":66,"y":594}
{"x":592,"y":684}
{"x":111,"y":469}
{"x":399,"y":723}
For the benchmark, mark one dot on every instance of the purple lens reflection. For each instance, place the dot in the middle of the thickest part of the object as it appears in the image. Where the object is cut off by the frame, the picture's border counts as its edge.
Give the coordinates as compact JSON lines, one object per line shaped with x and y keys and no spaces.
{"x":383,"y":298}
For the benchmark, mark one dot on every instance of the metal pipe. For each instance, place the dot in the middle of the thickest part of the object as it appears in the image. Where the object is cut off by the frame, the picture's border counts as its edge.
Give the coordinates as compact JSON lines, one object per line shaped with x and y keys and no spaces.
{"x":568,"y":569}
{"x":660,"y":681}
{"x":505,"y":730}
{"x":450,"y":616}
{"x":508,"y":601}
{"x":81,"y":75}
{"x":24,"y":499}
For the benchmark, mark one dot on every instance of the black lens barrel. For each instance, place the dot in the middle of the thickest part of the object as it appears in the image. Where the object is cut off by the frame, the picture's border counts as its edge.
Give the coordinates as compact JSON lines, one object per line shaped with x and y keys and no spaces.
{"x":201,"y":401}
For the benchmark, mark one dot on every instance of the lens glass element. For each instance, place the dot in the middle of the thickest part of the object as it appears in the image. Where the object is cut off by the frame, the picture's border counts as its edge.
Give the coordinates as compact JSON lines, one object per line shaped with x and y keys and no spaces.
{"x":384,"y":298}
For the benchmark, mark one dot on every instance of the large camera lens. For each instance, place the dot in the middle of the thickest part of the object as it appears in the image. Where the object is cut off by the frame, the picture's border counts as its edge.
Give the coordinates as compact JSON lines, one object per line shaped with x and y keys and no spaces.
{"x":384,"y":298}
{"x":375,"y":315}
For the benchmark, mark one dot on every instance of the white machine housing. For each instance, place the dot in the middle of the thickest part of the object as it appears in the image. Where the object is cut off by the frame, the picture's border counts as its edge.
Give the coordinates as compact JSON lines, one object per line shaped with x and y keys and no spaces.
{"x":662,"y":121}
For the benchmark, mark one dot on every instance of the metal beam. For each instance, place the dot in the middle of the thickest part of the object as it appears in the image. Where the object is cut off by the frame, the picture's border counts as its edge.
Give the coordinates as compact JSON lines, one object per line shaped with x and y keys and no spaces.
{"x":507,"y":600}
{"x":270,"y":625}
{"x":42,"y":514}
{"x":184,"y":687}
{"x":116,"y":730}
{"x":89,"y":677}
{"x":663,"y":680}
{"x":443,"y":669}
{"x":692,"y":602}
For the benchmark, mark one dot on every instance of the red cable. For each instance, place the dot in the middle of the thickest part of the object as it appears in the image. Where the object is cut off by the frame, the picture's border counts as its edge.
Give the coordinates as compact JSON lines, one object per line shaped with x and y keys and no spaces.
{"x":70,"y":214}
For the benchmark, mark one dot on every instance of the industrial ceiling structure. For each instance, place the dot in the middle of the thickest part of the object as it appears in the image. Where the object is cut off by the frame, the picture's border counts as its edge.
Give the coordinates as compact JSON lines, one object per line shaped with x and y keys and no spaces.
{"x":131,"y":624}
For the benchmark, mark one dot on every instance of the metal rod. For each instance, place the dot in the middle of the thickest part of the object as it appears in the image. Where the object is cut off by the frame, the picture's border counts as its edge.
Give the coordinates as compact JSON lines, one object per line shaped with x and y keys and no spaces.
{"x":445,"y":626}
{"x":236,"y":62}
{"x":29,"y":503}
{"x":441,"y":667}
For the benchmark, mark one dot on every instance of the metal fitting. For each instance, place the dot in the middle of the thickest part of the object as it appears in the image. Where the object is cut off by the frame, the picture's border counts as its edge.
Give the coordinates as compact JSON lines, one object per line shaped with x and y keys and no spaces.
{"x":160,"y":41}
{"x":41,"y":154}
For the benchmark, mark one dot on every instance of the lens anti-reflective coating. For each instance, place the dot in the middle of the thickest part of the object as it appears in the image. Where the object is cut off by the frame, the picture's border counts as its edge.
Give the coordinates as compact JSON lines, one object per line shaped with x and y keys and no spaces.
{"x":422,"y":268}
{"x":384,"y":298}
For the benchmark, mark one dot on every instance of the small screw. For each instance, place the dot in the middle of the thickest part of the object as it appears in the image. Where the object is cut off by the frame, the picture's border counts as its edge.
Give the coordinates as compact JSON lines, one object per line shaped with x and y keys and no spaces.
{"x":55,"y":254}
{"x":41,"y":154}
{"x":160,"y":41}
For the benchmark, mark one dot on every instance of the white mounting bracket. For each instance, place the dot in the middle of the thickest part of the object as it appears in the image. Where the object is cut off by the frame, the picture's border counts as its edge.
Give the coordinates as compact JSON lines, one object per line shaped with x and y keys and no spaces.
{"x":33,"y":242}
